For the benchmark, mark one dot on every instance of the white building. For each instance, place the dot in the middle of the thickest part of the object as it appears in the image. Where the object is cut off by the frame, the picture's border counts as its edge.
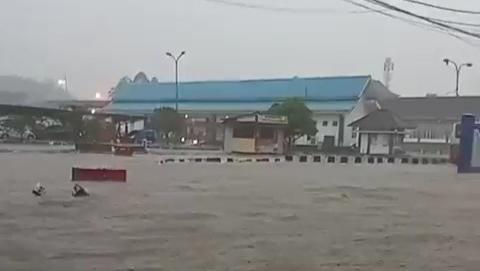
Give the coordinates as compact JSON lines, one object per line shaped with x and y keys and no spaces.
{"x":255,"y":134}
{"x":434,"y":118}
{"x":381,"y":133}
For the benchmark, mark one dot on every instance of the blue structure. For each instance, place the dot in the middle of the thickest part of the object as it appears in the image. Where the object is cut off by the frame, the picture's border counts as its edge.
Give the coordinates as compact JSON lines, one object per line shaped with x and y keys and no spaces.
{"x":334,"y":101}
{"x":469,"y":157}
{"x":320,"y":93}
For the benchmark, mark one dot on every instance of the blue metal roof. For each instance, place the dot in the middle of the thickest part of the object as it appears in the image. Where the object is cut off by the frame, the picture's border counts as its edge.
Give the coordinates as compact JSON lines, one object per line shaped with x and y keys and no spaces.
{"x":312,"y":89}
{"x":148,"y":107}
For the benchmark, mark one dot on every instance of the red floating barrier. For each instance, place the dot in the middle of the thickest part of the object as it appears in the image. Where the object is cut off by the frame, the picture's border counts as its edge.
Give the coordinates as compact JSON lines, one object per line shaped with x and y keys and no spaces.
{"x":99,"y":175}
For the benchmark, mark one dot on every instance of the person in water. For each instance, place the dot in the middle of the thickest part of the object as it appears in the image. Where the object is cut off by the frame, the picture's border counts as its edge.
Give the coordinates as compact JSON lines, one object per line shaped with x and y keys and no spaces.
{"x":39,"y":190}
{"x":79,"y":191}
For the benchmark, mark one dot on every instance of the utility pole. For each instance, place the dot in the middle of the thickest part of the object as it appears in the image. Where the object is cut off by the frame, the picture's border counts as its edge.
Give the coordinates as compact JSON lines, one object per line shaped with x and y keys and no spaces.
{"x":176,"y":59}
{"x":458,"y":69}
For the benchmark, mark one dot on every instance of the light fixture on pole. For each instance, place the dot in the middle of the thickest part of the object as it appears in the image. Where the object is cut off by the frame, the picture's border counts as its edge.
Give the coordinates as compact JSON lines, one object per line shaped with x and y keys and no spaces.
{"x":458,"y":69}
{"x":63,"y":83}
{"x":176,"y":59}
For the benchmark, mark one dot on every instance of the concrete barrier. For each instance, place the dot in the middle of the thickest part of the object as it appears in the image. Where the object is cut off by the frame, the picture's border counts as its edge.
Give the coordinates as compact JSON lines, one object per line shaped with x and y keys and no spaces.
{"x":264,"y":160}
{"x":317,"y":159}
{"x":213,"y":160}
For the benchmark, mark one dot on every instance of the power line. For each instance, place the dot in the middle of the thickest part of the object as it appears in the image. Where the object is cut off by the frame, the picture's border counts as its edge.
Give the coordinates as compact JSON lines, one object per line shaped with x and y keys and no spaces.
{"x":457,"y":23}
{"x":442,"y":7}
{"x":423,"y":18}
{"x":432,"y":24}
{"x":282,"y":9}
{"x":384,"y":13}
{"x":425,"y":26}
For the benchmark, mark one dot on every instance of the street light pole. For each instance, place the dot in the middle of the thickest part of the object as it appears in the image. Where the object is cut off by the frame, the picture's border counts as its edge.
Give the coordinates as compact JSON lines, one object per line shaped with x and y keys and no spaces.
{"x":458,"y":69}
{"x":176,"y":60}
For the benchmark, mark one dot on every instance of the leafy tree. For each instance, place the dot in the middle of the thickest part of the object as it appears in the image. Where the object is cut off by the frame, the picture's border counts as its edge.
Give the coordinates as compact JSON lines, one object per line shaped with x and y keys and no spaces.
{"x":300,"y":120}
{"x":168,"y":122}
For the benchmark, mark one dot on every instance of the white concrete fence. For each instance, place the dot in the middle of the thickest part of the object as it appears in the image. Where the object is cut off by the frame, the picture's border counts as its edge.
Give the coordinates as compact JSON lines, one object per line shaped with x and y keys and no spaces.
{"x":325,"y":159}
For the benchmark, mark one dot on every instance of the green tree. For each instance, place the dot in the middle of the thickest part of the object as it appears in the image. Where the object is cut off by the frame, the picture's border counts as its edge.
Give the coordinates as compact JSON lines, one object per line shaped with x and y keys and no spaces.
{"x":300,"y":120}
{"x":168,"y":122}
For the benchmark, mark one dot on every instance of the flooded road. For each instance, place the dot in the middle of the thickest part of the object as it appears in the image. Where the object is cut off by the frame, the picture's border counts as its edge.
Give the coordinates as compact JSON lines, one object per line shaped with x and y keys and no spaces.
{"x":237,"y":216}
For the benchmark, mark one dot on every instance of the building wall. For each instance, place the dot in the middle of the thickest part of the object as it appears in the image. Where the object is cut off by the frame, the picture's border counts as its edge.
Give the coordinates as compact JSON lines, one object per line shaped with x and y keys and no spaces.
{"x":349,"y":137}
{"x":427,"y":149}
{"x":431,"y":131}
{"x":363,"y":143}
{"x":280,"y":141}
{"x":328,"y":130}
{"x":430,"y":137}
{"x":365,"y":105}
{"x":243,"y":145}
{"x":252,"y":145}
{"x":379,"y":143}
{"x":270,"y":145}
{"x":363,"y":108}
{"x":228,"y":138}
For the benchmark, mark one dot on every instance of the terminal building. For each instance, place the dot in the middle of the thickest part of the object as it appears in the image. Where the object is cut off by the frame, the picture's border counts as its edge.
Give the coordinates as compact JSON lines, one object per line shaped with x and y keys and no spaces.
{"x":335,"y":102}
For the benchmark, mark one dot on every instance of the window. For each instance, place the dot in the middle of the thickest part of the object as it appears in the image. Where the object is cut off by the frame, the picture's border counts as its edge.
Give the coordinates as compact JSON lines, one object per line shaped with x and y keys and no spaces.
{"x":267,"y":133}
{"x":325,"y":123}
{"x":243,"y":131}
{"x":354,"y":134}
{"x":335,"y":123}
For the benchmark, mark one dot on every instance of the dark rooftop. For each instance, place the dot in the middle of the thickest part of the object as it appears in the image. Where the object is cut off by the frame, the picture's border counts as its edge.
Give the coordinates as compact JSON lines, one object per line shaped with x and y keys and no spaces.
{"x":433,"y":108}
{"x":381,"y":120}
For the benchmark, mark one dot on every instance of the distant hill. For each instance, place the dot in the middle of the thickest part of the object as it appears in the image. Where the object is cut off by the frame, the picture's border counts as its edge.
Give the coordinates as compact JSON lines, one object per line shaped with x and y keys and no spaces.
{"x":20,"y":90}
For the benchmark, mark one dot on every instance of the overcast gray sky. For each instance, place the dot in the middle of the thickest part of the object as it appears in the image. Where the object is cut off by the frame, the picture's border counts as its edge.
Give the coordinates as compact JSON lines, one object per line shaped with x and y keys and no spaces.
{"x":96,"y":42}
